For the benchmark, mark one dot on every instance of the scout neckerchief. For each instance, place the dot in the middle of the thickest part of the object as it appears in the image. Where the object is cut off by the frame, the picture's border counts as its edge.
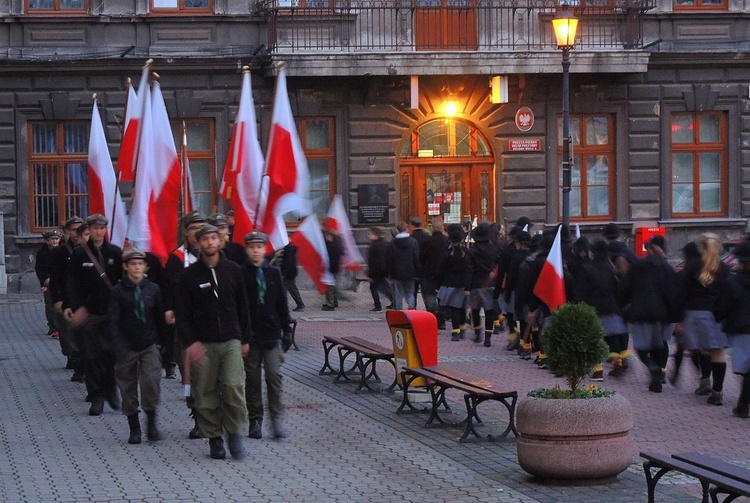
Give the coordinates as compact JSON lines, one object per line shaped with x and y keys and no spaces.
{"x":140,"y":304}
{"x":98,"y":265}
{"x":260,"y":279}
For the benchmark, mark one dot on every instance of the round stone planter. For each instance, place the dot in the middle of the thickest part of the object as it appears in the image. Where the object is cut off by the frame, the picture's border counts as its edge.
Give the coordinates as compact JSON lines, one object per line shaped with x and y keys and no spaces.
{"x":574,"y":439}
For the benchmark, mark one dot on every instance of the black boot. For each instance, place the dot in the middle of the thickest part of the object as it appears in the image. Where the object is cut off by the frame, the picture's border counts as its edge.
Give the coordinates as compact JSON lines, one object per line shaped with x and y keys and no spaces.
{"x":152,"y":432}
{"x":216,"y":446}
{"x":487,"y":338}
{"x":477,"y":335}
{"x":135,"y":429}
{"x":195,"y":433}
{"x":256,"y":429}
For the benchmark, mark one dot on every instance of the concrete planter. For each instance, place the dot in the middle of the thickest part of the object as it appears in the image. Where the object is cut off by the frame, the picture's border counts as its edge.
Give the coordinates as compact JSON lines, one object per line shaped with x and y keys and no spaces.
{"x":574,"y":439}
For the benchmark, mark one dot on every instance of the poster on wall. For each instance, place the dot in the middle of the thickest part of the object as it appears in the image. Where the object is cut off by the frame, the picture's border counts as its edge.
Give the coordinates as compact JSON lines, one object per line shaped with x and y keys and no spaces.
{"x":433,"y":209}
{"x":373,"y":203}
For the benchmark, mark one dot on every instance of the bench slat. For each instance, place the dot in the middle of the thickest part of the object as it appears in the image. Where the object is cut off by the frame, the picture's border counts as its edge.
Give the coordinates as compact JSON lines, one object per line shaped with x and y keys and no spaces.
{"x":447,"y":381}
{"x":472,"y":381}
{"x":700,"y":473}
{"x":359,"y":344}
{"x":717,"y":465}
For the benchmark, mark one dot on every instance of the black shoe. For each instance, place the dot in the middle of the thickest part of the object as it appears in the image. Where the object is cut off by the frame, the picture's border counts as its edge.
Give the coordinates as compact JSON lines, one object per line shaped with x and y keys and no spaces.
{"x":236,"y":449}
{"x":76,"y":377}
{"x":195,"y":433}
{"x":113,"y":399}
{"x":170,"y":372}
{"x":656,"y":384}
{"x":69,"y":365}
{"x":135,"y":429}
{"x":97,"y":407}
{"x":299,"y":308}
{"x":278,"y":429}
{"x":216,"y":445}
{"x":256,"y":429}
{"x":390,"y":307}
{"x":326,"y":307}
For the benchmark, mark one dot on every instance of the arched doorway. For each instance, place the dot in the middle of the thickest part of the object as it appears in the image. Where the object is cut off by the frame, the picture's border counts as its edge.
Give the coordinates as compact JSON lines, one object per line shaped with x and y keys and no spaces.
{"x":447,"y":171}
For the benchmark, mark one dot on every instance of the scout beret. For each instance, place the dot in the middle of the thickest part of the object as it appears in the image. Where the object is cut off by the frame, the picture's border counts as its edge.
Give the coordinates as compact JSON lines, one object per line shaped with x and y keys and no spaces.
{"x":218,"y":219}
{"x":133,"y":254}
{"x":194,"y":217}
{"x":206,"y":229}
{"x":256,"y":237}
{"x":51,"y":233}
{"x":72,"y":221}
{"x":96,"y":219}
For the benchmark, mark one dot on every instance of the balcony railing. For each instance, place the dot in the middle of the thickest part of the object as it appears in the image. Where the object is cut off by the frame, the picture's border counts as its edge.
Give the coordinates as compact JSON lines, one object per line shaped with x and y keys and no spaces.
{"x":446,"y":25}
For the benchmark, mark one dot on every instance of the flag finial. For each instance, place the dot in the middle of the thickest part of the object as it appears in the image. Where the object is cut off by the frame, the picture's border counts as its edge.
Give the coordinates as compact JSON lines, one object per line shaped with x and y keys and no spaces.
{"x":93,"y":96}
{"x":245,"y":69}
{"x":155,"y":75}
{"x":149,"y":62}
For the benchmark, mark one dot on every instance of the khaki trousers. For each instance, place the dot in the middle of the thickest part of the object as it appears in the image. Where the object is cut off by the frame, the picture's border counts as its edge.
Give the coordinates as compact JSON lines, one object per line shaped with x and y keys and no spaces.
{"x":139,"y":367}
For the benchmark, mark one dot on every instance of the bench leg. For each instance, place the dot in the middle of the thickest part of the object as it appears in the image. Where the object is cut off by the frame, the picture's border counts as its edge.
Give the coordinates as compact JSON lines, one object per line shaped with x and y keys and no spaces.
{"x":471,"y":414}
{"x":294,"y":333}
{"x":327,"y":369}
{"x":511,"y":414}
{"x":437,"y":399}
{"x":364,"y":376}
{"x":715,"y":491}
{"x":651,"y":480}
{"x":343,"y":373}
{"x":395,"y":383}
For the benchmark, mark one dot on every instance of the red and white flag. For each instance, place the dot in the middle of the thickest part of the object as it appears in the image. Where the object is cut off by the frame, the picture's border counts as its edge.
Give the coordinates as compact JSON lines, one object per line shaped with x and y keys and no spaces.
{"x":139,"y":231}
{"x":165,"y":194}
{"x":126,"y":162}
{"x":550,"y":286}
{"x":338,"y":221}
{"x":244,"y":167}
{"x":104,"y":194}
{"x":312,"y":252}
{"x":286,"y":168}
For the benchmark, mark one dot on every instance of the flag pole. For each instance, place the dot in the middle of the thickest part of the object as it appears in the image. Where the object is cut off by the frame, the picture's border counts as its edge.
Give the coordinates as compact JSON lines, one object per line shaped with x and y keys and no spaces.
{"x":118,"y":173}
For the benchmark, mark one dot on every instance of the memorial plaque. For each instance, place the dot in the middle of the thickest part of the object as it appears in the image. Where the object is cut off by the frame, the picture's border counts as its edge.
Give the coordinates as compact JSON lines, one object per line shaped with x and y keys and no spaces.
{"x":373,"y":203}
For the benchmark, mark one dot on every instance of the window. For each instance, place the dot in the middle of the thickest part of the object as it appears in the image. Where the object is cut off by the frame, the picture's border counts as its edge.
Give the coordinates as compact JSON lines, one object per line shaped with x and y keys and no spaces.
{"x":699,"y":4}
{"x":56,"y":6}
{"x":317,"y":137}
{"x":58,"y":173}
{"x":446,"y":138}
{"x":698,"y":164}
{"x":593,"y":170}
{"x":202,"y":160}
{"x":182,"y":6}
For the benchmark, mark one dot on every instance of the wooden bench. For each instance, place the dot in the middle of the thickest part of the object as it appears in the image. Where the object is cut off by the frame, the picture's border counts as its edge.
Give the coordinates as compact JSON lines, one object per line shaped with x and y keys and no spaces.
{"x":366,"y":353}
{"x":441,"y":378}
{"x":716,"y":476}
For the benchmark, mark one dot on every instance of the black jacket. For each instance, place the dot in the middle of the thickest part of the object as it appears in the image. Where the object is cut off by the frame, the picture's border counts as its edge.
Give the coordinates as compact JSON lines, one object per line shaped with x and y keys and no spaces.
{"x":204,"y":317}
{"x":421,"y":237}
{"x":732,"y":307}
{"x":235,"y":252}
{"x":270,"y":319}
{"x":431,"y":256}
{"x":128,"y":332}
{"x":457,"y":268}
{"x":484,"y":258}
{"x":596,"y":284}
{"x":693,"y":296}
{"x":647,"y":291}
{"x":57,"y":280}
{"x":511,"y":280}
{"x":377,"y":259}
{"x":288,"y":264}
{"x":84,"y":286}
{"x":503,"y":267}
{"x":335,"y":249}
{"x":178,"y":261}
{"x":404,"y":259}
{"x":44,"y":263}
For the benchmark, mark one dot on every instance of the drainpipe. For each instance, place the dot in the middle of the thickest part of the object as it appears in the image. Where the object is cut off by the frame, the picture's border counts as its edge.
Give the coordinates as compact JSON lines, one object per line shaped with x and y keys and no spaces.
{"x":3,"y":275}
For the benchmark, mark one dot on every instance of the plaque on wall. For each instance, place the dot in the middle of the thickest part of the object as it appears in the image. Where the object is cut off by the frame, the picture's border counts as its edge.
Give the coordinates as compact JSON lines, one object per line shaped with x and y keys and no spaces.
{"x":373,"y":203}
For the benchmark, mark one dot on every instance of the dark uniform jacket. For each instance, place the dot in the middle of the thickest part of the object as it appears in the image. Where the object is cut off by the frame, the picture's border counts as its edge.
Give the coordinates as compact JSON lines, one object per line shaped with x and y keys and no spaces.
{"x":518,"y":258}
{"x":693,"y":296}
{"x":84,"y":286}
{"x":235,"y":252}
{"x":646,"y":290}
{"x":484,"y":258}
{"x":204,"y":317}
{"x":178,"y":260}
{"x":457,"y":268}
{"x":377,"y":259}
{"x":503,"y":267}
{"x":44,"y":263}
{"x":404,"y":259}
{"x":596,"y":284}
{"x":60,"y":260}
{"x":335,"y":249}
{"x":288,"y":264}
{"x":269,"y":319}
{"x":129,"y":332}
{"x":732,"y":307}
{"x":431,"y":256}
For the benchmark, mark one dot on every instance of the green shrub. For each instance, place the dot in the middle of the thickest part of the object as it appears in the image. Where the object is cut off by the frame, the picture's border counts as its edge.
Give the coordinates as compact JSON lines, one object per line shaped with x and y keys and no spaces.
{"x":574,"y":343}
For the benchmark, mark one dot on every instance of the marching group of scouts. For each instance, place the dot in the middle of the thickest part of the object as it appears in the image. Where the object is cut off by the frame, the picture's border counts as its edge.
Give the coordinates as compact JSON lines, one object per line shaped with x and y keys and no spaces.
{"x":462,"y":272}
{"x":217,"y":310}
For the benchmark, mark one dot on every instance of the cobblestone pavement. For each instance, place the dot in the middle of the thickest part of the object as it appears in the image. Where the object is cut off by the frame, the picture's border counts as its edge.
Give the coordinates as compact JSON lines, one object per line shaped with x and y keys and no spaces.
{"x":342,"y":447}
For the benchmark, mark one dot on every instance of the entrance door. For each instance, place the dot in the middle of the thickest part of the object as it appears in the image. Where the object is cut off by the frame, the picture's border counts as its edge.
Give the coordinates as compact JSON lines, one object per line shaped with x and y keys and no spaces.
{"x":451,"y":192}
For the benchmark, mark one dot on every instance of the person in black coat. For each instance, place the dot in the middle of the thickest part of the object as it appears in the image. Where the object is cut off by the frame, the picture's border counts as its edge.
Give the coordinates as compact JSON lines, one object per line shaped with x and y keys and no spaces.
{"x":484,"y":259}
{"x":137,"y":323}
{"x":404,"y":267}
{"x":286,"y":260}
{"x":232,"y":250}
{"x":377,"y":268}
{"x":431,"y":254}
{"x":213,"y":321}
{"x":335,"y":249}
{"x":95,"y":267}
{"x":269,"y":319}
{"x":420,"y":236}
{"x":455,"y":280}
{"x":43,"y":268}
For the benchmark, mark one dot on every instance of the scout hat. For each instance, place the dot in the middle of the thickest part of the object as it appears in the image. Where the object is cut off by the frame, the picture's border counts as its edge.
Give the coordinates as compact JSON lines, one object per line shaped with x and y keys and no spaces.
{"x":51,"y":233}
{"x":133,"y":254}
{"x":256,"y":237}
{"x":218,"y":219}
{"x":194,"y":217}
{"x":206,"y":229}
{"x":97,"y":219}
{"x":72,"y":221}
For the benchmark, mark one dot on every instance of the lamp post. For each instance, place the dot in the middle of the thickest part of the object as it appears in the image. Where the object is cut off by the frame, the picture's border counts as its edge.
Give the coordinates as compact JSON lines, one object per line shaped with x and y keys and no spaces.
{"x":565,"y":26}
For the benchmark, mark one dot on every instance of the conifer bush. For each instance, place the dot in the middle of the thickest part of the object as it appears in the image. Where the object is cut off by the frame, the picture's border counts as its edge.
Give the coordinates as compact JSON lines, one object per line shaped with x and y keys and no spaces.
{"x":574,"y":343}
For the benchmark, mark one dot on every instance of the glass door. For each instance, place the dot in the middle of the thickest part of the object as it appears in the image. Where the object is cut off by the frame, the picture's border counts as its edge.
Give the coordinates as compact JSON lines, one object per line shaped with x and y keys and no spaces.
{"x":445,"y":194}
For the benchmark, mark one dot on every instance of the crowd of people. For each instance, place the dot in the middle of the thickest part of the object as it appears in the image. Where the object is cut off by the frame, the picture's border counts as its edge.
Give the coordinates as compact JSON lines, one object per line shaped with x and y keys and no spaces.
{"x":217,"y":310}
{"x":480,"y":281}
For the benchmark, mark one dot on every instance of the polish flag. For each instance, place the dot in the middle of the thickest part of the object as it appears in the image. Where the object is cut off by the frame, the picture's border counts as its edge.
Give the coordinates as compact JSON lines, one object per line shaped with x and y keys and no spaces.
{"x":104,"y":194}
{"x":139,"y":230}
{"x":338,"y":221}
{"x":312,"y":253}
{"x":286,"y":167}
{"x":550,"y":286}
{"x":165,"y":192}
{"x":244,"y":167}
{"x":126,"y":162}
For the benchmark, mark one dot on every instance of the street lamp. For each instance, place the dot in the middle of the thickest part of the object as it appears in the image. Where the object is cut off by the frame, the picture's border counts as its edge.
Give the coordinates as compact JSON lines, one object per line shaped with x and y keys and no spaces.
{"x":565,"y":25}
